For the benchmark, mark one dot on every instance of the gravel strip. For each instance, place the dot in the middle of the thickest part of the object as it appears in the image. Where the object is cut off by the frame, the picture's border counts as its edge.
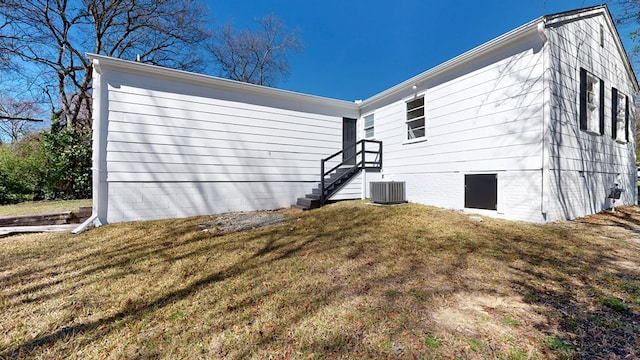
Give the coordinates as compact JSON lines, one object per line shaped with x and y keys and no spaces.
{"x":239,"y":221}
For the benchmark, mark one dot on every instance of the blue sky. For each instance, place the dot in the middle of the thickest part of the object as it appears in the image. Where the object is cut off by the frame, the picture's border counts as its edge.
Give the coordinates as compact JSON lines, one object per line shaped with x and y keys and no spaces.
{"x":357,"y":48}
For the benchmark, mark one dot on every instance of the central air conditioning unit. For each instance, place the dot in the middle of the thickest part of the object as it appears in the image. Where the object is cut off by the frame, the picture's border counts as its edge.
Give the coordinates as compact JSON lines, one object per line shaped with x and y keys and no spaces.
{"x":387,"y":192}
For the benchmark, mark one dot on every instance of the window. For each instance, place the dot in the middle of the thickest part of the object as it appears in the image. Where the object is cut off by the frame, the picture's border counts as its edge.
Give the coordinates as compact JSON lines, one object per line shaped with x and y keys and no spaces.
{"x":619,"y":116}
{"x":368,"y":126}
{"x":591,"y":103}
{"x":415,"y":119}
{"x":601,"y":35}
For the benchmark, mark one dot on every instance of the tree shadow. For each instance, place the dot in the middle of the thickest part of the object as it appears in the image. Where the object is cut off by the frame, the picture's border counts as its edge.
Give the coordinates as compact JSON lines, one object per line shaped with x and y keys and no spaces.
{"x":271,"y":245}
{"x":423,"y":264}
{"x":573,"y":297}
{"x":584,"y":166}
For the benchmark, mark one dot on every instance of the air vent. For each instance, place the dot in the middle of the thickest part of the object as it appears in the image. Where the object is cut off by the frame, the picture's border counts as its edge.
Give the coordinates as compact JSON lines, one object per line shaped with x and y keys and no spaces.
{"x":387,"y":192}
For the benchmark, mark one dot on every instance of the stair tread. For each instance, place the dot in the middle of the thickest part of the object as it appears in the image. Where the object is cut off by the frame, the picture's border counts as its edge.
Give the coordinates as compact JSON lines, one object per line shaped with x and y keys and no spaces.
{"x":333,"y":182}
{"x":305,"y":200}
{"x":305,"y":203}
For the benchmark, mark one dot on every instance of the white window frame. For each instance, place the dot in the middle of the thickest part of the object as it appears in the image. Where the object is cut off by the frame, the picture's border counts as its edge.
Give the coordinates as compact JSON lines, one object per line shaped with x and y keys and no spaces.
{"x":369,"y":128}
{"x":593,"y":104}
{"x":621,"y":117}
{"x":413,"y":118}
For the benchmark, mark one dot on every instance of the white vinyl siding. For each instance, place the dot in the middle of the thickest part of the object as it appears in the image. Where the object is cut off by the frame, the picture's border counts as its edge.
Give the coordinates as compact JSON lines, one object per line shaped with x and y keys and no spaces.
{"x":482,"y":118}
{"x":214,"y":140}
{"x":176,"y":148}
{"x":582,"y":167}
{"x":416,"y":128}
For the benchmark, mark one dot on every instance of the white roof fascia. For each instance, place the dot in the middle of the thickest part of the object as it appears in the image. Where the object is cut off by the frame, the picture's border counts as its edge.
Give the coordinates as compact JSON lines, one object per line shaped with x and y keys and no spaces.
{"x":505,"y":39}
{"x":101,"y":61}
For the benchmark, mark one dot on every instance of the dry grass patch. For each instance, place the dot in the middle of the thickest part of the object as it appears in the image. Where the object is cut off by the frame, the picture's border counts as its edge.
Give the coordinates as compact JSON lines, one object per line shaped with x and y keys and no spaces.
{"x":345,"y":281}
{"x":42,"y":207}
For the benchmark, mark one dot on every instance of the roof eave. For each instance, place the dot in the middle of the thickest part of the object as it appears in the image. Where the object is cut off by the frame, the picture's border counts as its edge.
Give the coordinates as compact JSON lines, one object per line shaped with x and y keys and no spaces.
{"x":513,"y":35}
{"x":137,"y":67}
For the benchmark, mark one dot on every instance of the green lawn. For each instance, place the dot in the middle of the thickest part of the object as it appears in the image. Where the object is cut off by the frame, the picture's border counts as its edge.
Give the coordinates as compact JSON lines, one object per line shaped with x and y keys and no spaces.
{"x":42,"y":207}
{"x":346,"y":281}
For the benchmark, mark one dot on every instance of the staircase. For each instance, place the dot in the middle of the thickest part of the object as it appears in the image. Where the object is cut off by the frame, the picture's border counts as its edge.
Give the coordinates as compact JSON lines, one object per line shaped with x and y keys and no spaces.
{"x":334,"y":179}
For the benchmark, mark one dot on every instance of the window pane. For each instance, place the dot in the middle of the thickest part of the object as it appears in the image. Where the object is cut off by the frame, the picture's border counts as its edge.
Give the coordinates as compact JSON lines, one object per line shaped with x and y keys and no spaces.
{"x":416,"y":133}
{"x":415,"y":119}
{"x":592,"y":93}
{"x":621,"y":125}
{"x":415,"y":129}
{"x":415,"y":113}
{"x":368,"y":133}
{"x":368,"y":121}
{"x":621,"y":105}
{"x":415,"y":103}
{"x":416,"y":123}
{"x":593,"y":102}
{"x":621,"y":128}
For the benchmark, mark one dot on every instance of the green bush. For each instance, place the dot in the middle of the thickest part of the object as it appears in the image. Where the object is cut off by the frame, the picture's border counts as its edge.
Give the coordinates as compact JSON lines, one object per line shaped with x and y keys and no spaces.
{"x":22,"y":169}
{"x":68,"y":164}
{"x":48,"y":165}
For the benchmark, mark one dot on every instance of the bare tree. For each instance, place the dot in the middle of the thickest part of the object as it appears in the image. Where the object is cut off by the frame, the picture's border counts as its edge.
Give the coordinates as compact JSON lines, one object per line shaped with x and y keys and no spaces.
{"x":5,"y":59}
{"x":627,"y":13}
{"x":255,"y":56}
{"x":17,"y":118}
{"x":52,"y":37}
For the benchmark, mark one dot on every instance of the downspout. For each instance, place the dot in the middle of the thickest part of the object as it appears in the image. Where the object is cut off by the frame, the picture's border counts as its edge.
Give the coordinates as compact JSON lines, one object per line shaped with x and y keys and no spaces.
{"x":99,"y":183}
{"x":363,"y":172}
{"x":82,"y":227}
{"x":546,"y":119}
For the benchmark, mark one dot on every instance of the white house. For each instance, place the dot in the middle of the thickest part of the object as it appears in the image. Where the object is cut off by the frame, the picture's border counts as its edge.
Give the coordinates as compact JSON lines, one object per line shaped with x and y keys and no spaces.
{"x":535,"y":125}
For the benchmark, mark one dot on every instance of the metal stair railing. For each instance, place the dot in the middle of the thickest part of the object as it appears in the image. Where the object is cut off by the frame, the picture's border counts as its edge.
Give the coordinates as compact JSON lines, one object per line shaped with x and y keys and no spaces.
{"x":363,"y":163}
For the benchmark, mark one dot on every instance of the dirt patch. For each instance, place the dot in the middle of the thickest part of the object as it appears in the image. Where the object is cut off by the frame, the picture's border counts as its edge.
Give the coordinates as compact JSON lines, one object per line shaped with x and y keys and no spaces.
{"x":624,"y":218}
{"x":482,"y":314}
{"x":239,"y":221}
{"x":622,"y":225}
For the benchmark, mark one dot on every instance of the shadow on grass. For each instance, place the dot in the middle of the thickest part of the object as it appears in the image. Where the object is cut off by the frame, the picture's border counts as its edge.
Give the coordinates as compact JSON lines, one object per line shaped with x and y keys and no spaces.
{"x":93,"y":262}
{"x":402,"y":259}
{"x":570,"y":276}
{"x":270,"y":244}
